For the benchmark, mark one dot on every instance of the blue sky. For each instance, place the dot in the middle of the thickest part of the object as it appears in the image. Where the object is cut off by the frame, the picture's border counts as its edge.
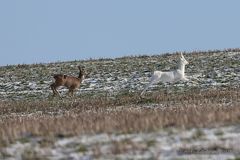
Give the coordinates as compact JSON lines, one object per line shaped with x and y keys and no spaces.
{"x":36,"y":31}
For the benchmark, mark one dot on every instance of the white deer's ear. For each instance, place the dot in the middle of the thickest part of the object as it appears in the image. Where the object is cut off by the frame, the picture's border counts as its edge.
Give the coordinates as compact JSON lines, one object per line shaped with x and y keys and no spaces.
{"x":181,"y":55}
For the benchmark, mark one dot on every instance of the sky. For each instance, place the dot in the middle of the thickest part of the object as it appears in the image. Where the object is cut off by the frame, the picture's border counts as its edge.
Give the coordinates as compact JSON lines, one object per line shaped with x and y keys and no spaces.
{"x":43,"y":31}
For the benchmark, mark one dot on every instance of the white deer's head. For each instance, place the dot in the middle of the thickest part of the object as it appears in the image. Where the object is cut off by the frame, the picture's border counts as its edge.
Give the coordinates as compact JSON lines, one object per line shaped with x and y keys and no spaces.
{"x":183,"y":60}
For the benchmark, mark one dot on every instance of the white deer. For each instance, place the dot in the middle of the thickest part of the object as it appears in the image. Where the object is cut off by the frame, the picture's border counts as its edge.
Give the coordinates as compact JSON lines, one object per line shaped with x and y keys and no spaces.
{"x":170,"y":76}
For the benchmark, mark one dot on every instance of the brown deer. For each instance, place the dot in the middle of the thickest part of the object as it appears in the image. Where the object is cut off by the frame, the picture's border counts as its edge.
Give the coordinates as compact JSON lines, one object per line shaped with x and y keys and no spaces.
{"x":71,"y":82}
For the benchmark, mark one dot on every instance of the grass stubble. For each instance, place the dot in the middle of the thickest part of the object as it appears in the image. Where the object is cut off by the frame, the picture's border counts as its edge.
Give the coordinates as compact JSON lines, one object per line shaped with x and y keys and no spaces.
{"x":125,"y":113}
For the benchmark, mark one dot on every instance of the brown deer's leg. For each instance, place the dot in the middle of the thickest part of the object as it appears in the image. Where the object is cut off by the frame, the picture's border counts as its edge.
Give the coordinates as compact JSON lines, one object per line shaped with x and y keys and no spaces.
{"x":54,"y":89}
{"x":70,"y":92}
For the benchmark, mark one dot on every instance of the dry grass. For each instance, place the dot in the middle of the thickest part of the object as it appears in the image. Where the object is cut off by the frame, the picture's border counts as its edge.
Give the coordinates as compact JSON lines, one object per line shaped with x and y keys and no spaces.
{"x":122,"y":114}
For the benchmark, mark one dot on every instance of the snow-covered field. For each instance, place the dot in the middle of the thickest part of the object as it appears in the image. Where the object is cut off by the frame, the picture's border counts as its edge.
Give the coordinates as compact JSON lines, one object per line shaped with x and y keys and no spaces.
{"x":127,"y":75}
{"x":217,"y":143}
{"x":112,"y":76}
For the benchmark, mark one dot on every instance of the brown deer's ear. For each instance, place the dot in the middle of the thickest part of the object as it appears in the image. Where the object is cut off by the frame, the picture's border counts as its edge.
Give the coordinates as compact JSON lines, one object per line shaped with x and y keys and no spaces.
{"x":82,"y":68}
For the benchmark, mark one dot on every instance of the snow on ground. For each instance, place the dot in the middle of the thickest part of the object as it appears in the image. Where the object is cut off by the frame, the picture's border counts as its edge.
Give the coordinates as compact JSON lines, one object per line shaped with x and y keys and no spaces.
{"x":206,"y":143}
{"x":131,"y":74}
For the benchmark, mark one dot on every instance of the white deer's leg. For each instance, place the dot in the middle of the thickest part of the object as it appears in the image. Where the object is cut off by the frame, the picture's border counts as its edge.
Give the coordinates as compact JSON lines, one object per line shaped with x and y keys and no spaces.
{"x":152,"y":81}
{"x":146,"y":88}
{"x":185,"y":79}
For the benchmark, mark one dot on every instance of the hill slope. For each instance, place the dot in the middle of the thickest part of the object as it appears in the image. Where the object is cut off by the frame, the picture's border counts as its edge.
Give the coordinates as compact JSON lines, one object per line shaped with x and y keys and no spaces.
{"x":128,"y":74}
{"x":107,"y":119}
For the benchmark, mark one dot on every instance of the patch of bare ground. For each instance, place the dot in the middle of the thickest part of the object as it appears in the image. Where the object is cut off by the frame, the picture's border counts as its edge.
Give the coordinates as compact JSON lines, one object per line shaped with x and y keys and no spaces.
{"x":125,"y":113}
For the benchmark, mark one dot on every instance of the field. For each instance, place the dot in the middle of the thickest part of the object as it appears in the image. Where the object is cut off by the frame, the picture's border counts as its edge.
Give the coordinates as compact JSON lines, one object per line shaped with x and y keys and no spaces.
{"x":106,"y":119}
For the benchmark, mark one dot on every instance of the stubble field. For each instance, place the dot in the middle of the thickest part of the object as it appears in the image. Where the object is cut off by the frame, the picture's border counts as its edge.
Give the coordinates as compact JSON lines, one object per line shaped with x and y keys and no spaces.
{"x":107,"y":119}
